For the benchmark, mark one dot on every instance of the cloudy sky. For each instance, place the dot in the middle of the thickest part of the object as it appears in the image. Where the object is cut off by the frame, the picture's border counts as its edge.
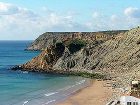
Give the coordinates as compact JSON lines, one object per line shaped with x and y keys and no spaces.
{"x":27,"y":19}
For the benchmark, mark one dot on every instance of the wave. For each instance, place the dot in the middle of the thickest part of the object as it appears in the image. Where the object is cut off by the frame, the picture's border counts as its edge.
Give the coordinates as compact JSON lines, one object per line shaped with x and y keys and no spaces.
{"x":50,"y":94}
{"x":25,"y":102}
{"x":49,"y":102}
{"x":81,"y":82}
{"x":50,"y":97}
{"x":77,"y":83}
{"x":25,"y":72}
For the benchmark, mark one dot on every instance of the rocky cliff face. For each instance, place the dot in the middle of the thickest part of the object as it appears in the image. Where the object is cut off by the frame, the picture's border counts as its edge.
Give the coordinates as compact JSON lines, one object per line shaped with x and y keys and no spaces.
{"x":63,"y":51}
{"x":50,"y":38}
{"x":118,"y":57}
{"x":46,"y":59}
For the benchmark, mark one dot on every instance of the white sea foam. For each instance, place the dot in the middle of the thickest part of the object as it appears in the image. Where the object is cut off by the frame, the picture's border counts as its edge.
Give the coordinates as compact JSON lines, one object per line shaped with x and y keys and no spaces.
{"x":68,"y":87}
{"x":25,"y":72}
{"x":49,"y":102}
{"x":49,"y":94}
{"x":81,"y":82}
{"x":25,"y":102}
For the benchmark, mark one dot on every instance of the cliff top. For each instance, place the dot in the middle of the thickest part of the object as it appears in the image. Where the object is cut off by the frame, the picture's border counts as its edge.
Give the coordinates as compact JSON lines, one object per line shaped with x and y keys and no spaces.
{"x":49,"y":38}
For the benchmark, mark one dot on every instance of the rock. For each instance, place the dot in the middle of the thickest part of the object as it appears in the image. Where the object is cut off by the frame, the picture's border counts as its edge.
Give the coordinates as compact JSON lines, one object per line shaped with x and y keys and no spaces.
{"x":16,"y":68}
{"x":51,"y":38}
{"x":117,"y":56}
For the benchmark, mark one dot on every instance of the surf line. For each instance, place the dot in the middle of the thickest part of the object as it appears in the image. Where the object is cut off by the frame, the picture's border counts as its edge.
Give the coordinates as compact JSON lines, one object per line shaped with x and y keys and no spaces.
{"x":49,"y":102}
{"x":25,"y":102}
{"x":49,"y":94}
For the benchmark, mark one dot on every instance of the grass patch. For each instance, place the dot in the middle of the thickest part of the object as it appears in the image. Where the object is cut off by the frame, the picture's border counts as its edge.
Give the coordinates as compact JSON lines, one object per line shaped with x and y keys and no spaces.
{"x":88,"y":75}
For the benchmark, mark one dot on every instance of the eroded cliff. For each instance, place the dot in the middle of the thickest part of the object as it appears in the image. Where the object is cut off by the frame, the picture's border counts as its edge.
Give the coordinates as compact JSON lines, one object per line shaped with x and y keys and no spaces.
{"x":118,"y":57}
{"x":51,"y":38}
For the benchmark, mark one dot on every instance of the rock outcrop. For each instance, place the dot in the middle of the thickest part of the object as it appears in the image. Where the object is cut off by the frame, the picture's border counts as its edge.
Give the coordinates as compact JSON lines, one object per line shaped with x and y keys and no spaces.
{"x":63,"y":51}
{"x":46,"y":60}
{"x":117,"y":57}
{"x":50,"y":38}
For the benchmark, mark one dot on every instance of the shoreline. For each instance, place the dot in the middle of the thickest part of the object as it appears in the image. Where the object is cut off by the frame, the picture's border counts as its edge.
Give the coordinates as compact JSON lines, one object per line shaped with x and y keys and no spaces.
{"x":99,"y":92}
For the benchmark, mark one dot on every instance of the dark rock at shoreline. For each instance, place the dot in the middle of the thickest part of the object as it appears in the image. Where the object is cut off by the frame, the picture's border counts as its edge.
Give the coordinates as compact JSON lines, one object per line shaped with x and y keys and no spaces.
{"x":17,"y":68}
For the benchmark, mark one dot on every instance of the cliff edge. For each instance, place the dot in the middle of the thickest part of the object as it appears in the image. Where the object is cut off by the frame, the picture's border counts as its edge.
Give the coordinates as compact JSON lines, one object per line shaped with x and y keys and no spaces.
{"x":118,"y":56}
{"x":51,"y":38}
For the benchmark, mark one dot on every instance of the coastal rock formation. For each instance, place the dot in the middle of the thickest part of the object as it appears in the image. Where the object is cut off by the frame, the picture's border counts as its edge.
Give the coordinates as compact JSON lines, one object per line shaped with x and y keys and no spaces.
{"x":46,"y":59}
{"x":59,"y":50}
{"x":117,"y":57}
{"x":50,"y":38}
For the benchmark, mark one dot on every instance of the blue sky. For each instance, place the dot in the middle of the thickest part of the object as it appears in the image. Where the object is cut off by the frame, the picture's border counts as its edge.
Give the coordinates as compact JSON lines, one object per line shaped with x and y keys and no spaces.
{"x":27,"y":19}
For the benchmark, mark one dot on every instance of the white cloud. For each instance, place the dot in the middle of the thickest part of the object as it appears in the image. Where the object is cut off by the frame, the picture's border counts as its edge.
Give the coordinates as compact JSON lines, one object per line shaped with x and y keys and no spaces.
{"x":8,"y":9}
{"x":95,"y":15}
{"x":22,"y":23}
{"x":130,"y":19}
{"x":114,"y":18}
{"x":26,"y":24}
{"x":132,"y":12}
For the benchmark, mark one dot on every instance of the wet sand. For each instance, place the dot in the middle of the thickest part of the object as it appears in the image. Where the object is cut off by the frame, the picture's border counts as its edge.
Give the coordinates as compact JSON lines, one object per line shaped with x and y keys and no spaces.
{"x":98,"y":93}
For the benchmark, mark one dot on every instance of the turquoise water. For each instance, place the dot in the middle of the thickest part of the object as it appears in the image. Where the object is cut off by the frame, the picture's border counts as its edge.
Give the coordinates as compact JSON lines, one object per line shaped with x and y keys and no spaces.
{"x":23,"y":88}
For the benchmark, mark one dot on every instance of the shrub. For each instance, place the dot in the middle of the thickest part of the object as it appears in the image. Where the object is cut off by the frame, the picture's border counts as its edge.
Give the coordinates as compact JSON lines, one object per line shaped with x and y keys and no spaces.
{"x":75,"y":45}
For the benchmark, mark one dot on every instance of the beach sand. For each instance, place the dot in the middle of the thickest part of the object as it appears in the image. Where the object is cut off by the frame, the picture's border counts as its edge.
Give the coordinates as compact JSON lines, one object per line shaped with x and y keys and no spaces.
{"x":98,"y":93}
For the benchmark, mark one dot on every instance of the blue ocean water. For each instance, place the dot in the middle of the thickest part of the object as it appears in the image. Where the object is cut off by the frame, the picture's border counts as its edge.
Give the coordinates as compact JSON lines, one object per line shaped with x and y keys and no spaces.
{"x":23,"y":88}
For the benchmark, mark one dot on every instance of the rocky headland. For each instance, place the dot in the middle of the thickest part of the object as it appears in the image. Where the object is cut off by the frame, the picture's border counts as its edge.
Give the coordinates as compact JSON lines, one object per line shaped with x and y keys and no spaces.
{"x":115,"y":54}
{"x":51,"y":38}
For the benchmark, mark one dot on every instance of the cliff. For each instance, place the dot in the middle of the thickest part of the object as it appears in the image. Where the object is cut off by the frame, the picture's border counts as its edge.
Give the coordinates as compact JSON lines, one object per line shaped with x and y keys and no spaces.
{"x":60,"y":49}
{"x":117,"y":56}
{"x":50,"y":38}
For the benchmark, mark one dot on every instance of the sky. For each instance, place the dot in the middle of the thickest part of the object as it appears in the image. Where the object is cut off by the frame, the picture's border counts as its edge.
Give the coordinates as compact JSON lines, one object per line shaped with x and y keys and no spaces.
{"x":27,"y":19}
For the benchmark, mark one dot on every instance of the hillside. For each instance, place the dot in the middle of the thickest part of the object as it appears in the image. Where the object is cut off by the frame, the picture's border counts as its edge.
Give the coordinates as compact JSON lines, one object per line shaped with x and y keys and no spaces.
{"x":50,"y":38}
{"x":117,"y":57}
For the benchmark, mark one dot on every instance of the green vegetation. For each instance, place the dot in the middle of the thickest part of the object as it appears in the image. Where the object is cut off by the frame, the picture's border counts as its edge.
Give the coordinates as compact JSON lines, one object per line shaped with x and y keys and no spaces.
{"x":60,"y":47}
{"x":88,"y":75}
{"x":75,"y":45}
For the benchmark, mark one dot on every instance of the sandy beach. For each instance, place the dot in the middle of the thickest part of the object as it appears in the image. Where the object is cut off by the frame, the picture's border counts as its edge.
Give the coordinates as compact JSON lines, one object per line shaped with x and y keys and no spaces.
{"x":98,"y":93}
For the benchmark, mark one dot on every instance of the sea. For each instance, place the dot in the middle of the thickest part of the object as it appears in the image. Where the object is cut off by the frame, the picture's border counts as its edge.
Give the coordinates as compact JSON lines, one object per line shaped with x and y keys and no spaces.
{"x":28,"y":88}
